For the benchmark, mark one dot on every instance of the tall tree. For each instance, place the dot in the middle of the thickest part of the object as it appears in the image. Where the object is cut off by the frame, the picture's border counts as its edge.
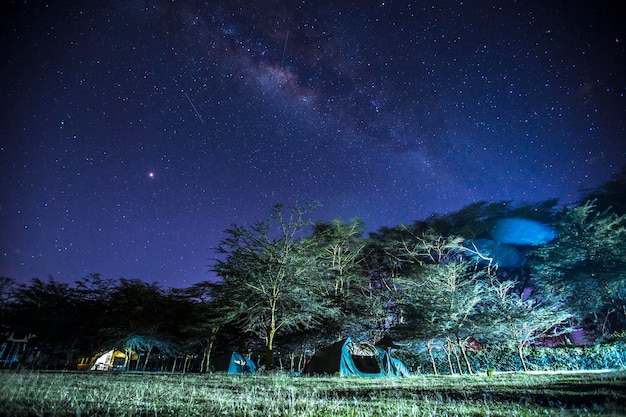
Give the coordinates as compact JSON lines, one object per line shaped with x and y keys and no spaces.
{"x":587,"y":264}
{"x":209,"y":316}
{"x":440,"y":301}
{"x":7,"y":289}
{"x":93,"y":294}
{"x":440,"y":296}
{"x":338,"y":246}
{"x":270,"y":281}
{"x":138,"y":317}
{"x":48,"y":308}
{"x":517,"y":321}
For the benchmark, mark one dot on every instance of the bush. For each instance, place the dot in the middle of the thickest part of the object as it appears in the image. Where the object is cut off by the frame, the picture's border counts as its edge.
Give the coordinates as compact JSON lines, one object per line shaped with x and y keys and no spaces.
{"x":503,"y":358}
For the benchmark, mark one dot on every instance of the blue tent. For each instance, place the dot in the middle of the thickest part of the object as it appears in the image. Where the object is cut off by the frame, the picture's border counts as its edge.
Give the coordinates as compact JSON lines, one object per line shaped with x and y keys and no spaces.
{"x":347,"y":358}
{"x":240,"y":365}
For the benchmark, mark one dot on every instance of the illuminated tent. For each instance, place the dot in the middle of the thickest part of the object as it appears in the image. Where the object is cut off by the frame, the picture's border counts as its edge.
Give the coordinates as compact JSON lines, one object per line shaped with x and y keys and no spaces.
{"x":239,"y":364}
{"x":235,"y":364}
{"x":348,"y":358}
{"x":111,"y":360}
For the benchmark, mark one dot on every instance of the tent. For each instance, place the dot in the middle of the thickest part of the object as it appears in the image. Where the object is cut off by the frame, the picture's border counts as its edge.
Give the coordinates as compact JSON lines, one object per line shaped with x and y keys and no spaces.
{"x":239,"y":364}
{"x":112,"y":360}
{"x":348,"y":358}
{"x":235,"y":364}
{"x":108,"y":361}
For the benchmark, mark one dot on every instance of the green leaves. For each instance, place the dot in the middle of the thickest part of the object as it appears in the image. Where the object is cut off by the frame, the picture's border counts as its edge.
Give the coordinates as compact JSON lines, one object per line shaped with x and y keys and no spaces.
{"x":587,"y":263}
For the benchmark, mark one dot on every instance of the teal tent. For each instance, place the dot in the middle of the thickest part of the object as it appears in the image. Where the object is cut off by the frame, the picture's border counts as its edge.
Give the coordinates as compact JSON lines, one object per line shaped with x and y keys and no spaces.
{"x":239,"y":365}
{"x":234,"y":364}
{"x":348,"y":358}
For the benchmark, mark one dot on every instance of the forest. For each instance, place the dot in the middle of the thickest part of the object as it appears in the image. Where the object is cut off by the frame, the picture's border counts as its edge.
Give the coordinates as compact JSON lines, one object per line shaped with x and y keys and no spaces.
{"x":453,"y":292}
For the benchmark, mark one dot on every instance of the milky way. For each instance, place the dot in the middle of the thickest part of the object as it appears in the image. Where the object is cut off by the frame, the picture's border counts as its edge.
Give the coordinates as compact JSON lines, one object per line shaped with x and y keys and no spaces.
{"x":135,"y":132}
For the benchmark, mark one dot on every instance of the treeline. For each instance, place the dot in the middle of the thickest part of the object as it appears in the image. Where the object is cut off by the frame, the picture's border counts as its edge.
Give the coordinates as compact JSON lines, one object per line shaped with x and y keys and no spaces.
{"x":290,"y":286}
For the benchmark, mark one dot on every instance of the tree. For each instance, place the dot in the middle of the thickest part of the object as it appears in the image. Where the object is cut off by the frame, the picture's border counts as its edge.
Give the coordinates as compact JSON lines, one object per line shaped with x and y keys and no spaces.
{"x":440,"y":300}
{"x":208,"y":317}
{"x":48,"y":309}
{"x":93,"y":294}
{"x":7,"y":289}
{"x":270,"y":281}
{"x":587,"y":264}
{"x":610,"y":196}
{"x":338,"y":246}
{"x":137,"y":317}
{"x":518,"y":321}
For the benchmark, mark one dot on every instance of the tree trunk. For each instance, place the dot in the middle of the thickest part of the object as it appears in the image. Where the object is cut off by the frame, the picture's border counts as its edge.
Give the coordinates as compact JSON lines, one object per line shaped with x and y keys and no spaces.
{"x":520,"y":353}
{"x":209,"y":349}
{"x":432,"y":358}
{"x":269,"y":348}
{"x":127,"y":353}
{"x":145,"y":362}
{"x":203,"y":363}
{"x":449,"y":355}
{"x":464,"y":354}
{"x":269,"y":357}
{"x":456,"y":356}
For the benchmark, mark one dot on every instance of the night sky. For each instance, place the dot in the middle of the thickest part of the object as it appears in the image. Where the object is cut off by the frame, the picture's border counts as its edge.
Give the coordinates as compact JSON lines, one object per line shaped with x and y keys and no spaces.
{"x":134,"y":132}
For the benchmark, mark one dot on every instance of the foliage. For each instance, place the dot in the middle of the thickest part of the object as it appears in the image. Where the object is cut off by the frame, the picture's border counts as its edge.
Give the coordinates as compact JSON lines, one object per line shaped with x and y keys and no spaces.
{"x":270,"y":284}
{"x":505,"y":358}
{"x":338,"y":247}
{"x":440,"y":302}
{"x":302,"y":285}
{"x":610,"y":196}
{"x":589,"y":258}
{"x":518,"y":321}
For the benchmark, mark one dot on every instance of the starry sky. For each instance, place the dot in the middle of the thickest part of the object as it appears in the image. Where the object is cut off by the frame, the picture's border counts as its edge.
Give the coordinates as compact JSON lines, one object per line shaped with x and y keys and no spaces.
{"x":134,"y":132}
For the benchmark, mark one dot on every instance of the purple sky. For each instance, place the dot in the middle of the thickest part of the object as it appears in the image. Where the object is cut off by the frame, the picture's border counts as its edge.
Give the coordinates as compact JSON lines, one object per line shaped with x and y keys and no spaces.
{"x":134,"y":132}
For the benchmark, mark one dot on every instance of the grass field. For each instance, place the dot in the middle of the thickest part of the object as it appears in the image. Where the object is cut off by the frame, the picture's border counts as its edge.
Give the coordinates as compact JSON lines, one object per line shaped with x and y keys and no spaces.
{"x":146,"y":394}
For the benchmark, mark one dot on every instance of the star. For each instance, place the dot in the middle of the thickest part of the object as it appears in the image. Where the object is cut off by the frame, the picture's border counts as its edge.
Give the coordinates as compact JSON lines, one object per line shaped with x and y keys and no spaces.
{"x":382,"y":110}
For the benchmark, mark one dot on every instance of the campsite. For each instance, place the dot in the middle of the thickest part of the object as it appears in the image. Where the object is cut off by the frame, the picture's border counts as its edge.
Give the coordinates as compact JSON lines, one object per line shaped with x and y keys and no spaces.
{"x":463,"y":315}
{"x":131,"y":394}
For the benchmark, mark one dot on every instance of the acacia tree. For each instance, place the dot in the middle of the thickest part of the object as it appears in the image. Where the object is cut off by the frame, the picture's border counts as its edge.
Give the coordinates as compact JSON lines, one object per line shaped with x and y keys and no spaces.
{"x":141,"y":318}
{"x":440,"y":301}
{"x":7,"y":288}
{"x":270,"y":281}
{"x":208,"y":318}
{"x":48,"y":308}
{"x":587,"y":264}
{"x":518,"y":321}
{"x":440,"y":297}
{"x":338,"y":246}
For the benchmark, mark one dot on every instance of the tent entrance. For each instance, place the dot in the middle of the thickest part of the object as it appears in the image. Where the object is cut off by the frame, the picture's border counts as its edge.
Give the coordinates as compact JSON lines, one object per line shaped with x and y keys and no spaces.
{"x":365,"y":357}
{"x":366,"y":364}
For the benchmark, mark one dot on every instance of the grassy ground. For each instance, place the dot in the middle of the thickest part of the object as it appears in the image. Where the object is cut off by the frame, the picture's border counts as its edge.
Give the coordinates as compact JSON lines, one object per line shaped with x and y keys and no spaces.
{"x":137,"y":394}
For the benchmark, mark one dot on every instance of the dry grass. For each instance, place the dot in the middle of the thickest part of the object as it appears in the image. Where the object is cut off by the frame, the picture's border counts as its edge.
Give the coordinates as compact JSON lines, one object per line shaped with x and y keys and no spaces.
{"x":144,"y":394}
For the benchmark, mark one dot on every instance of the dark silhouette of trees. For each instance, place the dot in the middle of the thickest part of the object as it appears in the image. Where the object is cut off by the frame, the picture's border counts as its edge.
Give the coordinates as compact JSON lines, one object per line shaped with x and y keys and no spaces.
{"x":609,"y":196}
